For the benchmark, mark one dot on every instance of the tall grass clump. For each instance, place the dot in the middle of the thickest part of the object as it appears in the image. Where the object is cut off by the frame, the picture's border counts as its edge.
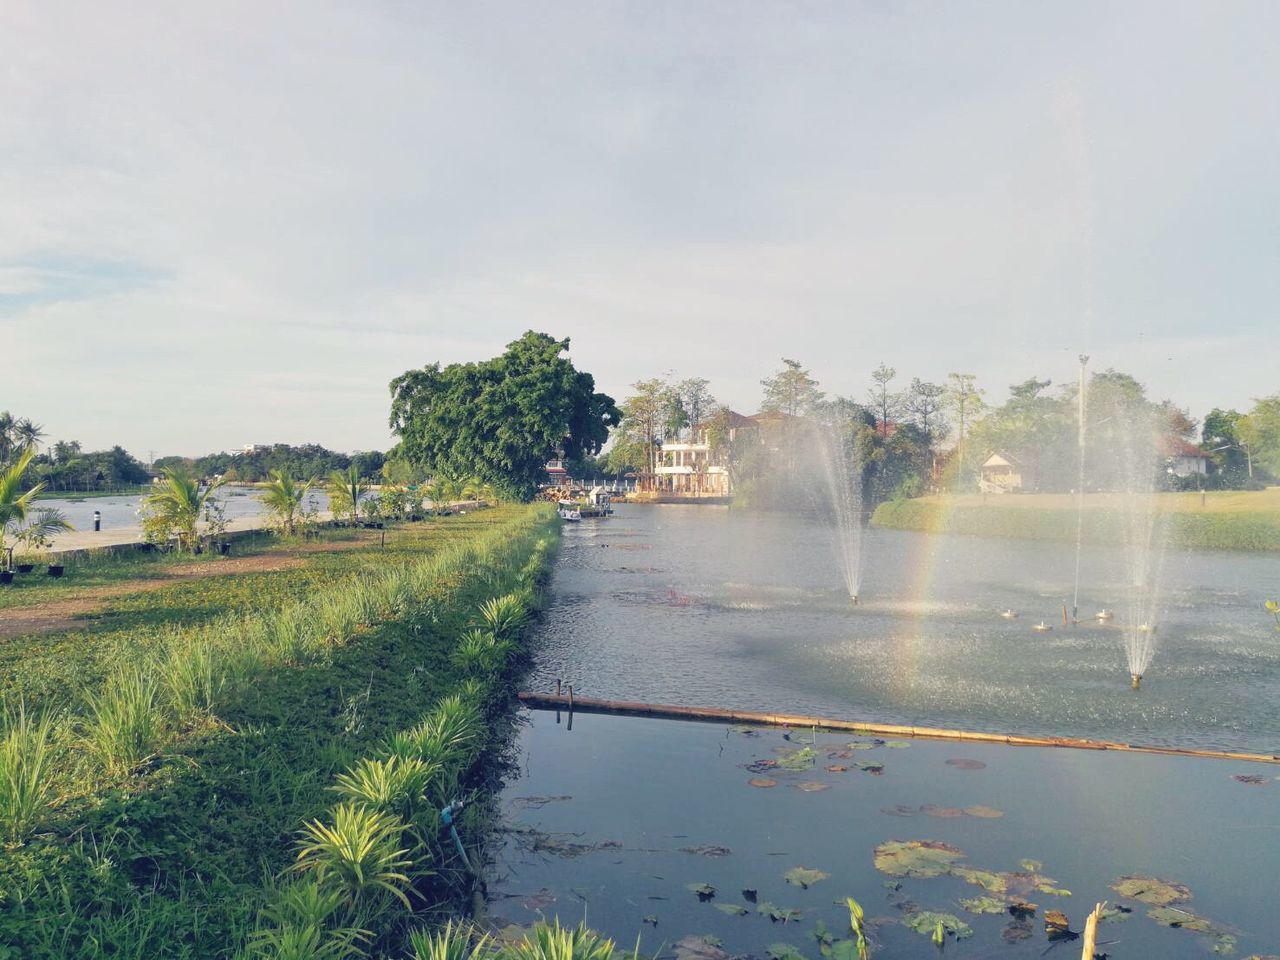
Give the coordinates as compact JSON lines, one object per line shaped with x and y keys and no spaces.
{"x":551,"y":941}
{"x":358,"y":854}
{"x":124,"y":721}
{"x":453,"y":941}
{"x":194,"y":674}
{"x":393,"y":784}
{"x":26,"y":772}
{"x":303,"y":921}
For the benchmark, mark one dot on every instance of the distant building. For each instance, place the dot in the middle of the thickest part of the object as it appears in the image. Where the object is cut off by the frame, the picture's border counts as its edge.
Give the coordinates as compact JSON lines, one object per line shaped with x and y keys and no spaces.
{"x":1183,"y":459}
{"x":1000,"y":473}
{"x":557,"y":473}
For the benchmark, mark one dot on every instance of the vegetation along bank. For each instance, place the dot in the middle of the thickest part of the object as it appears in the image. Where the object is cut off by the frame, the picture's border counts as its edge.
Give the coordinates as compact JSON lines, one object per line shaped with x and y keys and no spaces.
{"x":260,"y":765}
{"x":1223,"y":521}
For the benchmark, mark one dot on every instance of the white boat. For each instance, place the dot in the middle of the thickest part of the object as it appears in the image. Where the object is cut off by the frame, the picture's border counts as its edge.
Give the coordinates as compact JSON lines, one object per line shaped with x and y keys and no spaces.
{"x":569,"y":513}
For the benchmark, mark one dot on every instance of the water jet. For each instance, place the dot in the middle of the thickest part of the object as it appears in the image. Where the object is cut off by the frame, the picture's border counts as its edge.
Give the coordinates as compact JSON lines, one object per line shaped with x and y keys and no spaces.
{"x":1103,"y":615}
{"x":1042,"y":627}
{"x":1009,"y":615}
{"x":1135,"y":681}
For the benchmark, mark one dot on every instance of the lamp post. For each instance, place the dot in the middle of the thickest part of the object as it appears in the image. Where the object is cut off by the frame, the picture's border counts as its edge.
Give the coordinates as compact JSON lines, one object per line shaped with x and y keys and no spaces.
{"x":97,"y":521}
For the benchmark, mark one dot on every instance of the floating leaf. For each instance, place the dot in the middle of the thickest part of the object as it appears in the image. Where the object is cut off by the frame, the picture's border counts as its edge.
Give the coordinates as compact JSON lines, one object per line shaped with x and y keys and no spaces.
{"x":966,"y":764}
{"x":732,"y":909}
{"x":707,"y":850}
{"x":863,"y":745}
{"x":1151,"y":890}
{"x":777,"y":914}
{"x":705,"y":891}
{"x":1057,"y":926}
{"x":762,"y":782}
{"x":1031,"y":866}
{"x":983,"y":905}
{"x":991,"y":882}
{"x":1023,"y":908}
{"x":901,"y":810}
{"x":650,"y":918}
{"x":802,"y":759}
{"x":836,"y":768}
{"x":1182,"y":919}
{"x":804,"y":877}
{"x":984,"y":813}
{"x":1115,"y":914}
{"x":813,"y":786}
{"x":916,"y":858}
{"x":783,"y":951}
{"x":871,"y":767}
{"x":1250,"y":778}
{"x":1047,"y":887}
{"x":897,"y":744}
{"x":944,"y":813}
{"x":749,"y":895}
{"x":926,"y":922}
{"x":761,"y":766}
{"x":700,"y":948}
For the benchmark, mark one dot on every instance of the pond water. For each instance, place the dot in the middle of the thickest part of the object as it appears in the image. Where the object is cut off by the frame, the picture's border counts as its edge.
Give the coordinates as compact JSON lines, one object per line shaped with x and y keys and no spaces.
{"x":705,"y":606}
{"x":622,"y":821}
{"x":122,"y":512}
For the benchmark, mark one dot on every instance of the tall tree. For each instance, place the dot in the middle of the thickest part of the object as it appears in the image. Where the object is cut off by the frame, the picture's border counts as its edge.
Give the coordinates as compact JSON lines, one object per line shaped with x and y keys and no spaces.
{"x":925,"y":403}
{"x":1259,"y":433}
{"x":646,"y":415}
{"x":966,"y":400}
{"x":501,"y":420}
{"x":696,"y":399}
{"x":791,"y":390}
{"x":885,"y":402}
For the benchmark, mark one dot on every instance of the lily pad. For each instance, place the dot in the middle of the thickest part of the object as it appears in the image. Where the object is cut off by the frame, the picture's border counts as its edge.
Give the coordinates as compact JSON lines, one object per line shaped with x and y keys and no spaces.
{"x":916,"y":858}
{"x":705,"y":891}
{"x":1115,"y":914}
{"x":650,"y":918}
{"x":1023,"y":908}
{"x":700,"y":948}
{"x":1182,"y":919}
{"x":991,"y":882}
{"x":963,"y":763}
{"x":761,"y":766}
{"x":763,"y":782}
{"x":1151,"y":890}
{"x":777,"y":914}
{"x":804,"y":877}
{"x":871,"y":767}
{"x":864,"y":745}
{"x":836,"y":768}
{"x":783,"y":951}
{"x":1031,"y":866}
{"x":901,"y":810}
{"x":813,"y":786}
{"x":984,"y":813}
{"x":1057,"y":926}
{"x":802,"y":759}
{"x":926,"y":922}
{"x":897,"y":744}
{"x":943,"y":813}
{"x":1250,"y":778}
{"x":983,"y":905}
{"x":732,"y":909}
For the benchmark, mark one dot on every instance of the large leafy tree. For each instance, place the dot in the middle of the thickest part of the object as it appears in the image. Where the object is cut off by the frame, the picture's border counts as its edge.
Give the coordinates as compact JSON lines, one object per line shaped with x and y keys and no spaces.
{"x":791,"y":390}
{"x":501,"y":420}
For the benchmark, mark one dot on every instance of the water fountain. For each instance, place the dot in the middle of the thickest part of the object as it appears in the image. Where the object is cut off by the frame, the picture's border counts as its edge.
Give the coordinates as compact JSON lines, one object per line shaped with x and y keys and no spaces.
{"x":842,"y":472}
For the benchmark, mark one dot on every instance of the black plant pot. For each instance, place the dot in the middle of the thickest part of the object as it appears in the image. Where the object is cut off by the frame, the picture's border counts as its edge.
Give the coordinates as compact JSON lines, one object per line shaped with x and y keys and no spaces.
{"x":6,"y":576}
{"x":224,"y":549}
{"x":26,"y":567}
{"x":56,"y":570}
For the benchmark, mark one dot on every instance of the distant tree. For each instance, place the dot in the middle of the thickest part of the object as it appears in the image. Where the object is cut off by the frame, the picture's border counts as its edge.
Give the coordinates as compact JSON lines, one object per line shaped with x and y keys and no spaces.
{"x":791,"y":390}
{"x":925,"y":403}
{"x":64,"y":451}
{"x":646,"y":415}
{"x":696,"y":399}
{"x":885,"y":402}
{"x":501,"y":419}
{"x":17,"y":435}
{"x":176,"y":507}
{"x":965,"y":399}
{"x":1259,"y":434}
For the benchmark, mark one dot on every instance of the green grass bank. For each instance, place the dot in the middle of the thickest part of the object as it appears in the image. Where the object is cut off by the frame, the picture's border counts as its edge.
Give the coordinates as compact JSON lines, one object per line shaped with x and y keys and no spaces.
{"x":1235,"y":525}
{"x":256,"y":766}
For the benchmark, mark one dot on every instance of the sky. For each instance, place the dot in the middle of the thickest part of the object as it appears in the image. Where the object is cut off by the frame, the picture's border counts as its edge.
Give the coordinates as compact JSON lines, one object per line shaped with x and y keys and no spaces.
{"x":235,"y":223}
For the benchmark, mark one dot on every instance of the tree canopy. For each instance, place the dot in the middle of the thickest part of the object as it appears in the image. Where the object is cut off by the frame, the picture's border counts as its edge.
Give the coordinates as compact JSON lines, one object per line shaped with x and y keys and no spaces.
{"x":501,"y":420}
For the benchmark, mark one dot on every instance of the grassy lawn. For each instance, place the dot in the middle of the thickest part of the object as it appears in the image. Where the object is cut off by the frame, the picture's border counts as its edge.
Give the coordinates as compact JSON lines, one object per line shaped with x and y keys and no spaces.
{"x":1227,"y":520}
{"x":256,"y":692}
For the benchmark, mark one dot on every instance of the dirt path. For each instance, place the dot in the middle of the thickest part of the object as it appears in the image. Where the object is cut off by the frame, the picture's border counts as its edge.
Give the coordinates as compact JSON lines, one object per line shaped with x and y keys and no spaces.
{"x":75,"y":612}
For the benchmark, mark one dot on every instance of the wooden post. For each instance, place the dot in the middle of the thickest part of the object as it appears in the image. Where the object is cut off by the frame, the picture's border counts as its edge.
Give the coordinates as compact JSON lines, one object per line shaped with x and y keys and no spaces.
{"x":1091,"y":932}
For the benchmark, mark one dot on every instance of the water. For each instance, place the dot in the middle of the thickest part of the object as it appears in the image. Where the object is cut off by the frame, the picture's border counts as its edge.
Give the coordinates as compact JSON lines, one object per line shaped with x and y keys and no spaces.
{"x":121,"y":512}
{"x":701,"y":605}
{"x":602,"y":815}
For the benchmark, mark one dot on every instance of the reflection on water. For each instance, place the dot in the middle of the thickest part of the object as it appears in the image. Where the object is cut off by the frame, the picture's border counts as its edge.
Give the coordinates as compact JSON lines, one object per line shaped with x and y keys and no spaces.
{"x":617,"y":820}
{"x":742,"y":610}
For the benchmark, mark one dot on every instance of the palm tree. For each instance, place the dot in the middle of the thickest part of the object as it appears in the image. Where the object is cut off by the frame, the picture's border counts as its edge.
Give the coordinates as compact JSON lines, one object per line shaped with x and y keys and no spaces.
{"x":13,"y":502}
{"x":28,"y":434}
{"x":38,"y":531}
{"x":345,"y":491}
{"x":441,"y":492}
{"x":176,"y":507}
{"x":283,"y":499}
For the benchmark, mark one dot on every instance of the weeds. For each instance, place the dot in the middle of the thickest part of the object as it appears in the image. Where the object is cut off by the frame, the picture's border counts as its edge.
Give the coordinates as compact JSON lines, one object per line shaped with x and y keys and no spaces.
{"x":26,"y":774}
{"x":358,"y":854}
{"x":124,"y":722}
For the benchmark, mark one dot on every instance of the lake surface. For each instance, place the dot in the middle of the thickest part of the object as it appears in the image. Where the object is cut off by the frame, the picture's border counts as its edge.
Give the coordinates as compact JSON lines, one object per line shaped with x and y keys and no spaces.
{"x":616,"y":819}
{"x":701,"y":605}
{"x":121,"y":512}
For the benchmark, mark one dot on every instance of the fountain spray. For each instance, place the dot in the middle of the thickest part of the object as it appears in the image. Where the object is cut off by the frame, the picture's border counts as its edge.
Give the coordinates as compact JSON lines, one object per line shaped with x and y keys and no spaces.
{"x":842,"y":471}
{"x":1080,"y":438}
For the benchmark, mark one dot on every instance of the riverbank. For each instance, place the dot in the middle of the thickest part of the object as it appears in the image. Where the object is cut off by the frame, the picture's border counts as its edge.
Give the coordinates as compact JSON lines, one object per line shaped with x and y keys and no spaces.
{"x":183,"y":743}
{"x":1219,"y":521}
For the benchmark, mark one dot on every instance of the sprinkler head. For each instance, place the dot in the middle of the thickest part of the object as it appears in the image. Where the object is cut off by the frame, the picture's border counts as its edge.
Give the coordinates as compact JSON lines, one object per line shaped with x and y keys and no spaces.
{"x":854,"y":599}
{"x":1135,"y":681}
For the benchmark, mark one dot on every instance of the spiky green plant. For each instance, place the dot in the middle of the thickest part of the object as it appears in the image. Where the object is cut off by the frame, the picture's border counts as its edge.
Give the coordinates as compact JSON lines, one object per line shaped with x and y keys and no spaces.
{"x":479,"y":651}
{"x":26,"y":772}
{"x":284,"y":498}
{"x":453,"y":941}
{"x":14,"y":503}
{"x":550,"y":941}
{"x":393,"y":784}
{"x":175,"y":507}
{"x":505,"y":616}
{"x":193,"y":675}
{"x":124,"y":722}
{"x":345,"y":493}
{"x":300,"y":921}
{"x":359,"y":854}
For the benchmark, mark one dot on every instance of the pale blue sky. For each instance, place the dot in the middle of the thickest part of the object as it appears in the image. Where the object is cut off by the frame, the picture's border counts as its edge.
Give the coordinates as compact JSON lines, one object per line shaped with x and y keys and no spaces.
{"x":235,"y":222}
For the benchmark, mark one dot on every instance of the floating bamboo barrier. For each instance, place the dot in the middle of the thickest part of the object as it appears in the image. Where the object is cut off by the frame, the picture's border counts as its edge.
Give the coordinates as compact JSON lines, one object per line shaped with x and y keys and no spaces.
{"x":549,"y":701}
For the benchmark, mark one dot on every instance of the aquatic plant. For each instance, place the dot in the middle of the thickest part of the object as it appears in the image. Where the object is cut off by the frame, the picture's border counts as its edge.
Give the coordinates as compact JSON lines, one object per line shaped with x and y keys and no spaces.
{"x":505,"y":616}
{"x":856,"y":919}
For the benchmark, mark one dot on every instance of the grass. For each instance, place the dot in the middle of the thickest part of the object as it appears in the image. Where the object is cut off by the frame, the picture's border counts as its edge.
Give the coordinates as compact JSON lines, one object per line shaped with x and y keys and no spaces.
{"x":1227,"y":521}
{"x":221,"y":719}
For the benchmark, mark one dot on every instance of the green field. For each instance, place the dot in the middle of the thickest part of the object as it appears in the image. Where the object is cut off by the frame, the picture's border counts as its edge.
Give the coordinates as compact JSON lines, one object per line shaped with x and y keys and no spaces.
{"x":159,"y":766}
{"x":1222,"y":520}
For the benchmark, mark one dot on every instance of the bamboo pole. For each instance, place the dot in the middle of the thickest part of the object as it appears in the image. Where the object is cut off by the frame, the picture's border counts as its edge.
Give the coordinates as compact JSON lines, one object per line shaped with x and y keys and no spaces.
{"x":1091,"y":932}
{"x":546,"y":701}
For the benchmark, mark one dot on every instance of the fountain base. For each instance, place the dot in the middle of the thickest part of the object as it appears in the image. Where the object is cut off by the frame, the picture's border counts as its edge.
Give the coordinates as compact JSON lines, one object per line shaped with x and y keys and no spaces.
{"x":854,"y":599}
{"x":1135,"y":681}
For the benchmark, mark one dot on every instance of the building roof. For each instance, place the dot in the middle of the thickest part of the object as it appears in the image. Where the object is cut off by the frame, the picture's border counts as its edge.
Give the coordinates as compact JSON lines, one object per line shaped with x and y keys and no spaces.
{"x":1177,"y":447}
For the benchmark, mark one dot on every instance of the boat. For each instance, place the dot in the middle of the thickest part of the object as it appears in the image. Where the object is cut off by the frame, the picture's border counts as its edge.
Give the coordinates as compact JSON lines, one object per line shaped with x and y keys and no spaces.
{"x":568,"y":510}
